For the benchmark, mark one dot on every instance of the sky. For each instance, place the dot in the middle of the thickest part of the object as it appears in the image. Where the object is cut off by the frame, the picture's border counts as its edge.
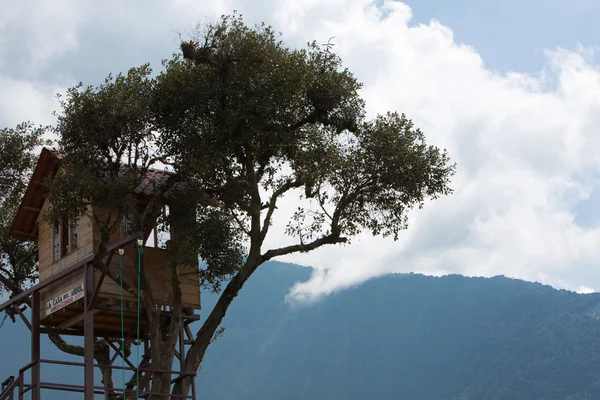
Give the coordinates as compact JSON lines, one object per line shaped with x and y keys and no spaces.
{"x":511,"y":90}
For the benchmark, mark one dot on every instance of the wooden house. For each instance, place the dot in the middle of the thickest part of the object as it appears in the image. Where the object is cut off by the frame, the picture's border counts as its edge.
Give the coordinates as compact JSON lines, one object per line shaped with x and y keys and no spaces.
{"x":69,"y":242}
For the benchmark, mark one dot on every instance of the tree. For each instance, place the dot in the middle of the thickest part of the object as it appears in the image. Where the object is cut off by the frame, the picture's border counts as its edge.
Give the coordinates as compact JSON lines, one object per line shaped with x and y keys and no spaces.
{"x":18,"y":260}
{"x":240,"y":121}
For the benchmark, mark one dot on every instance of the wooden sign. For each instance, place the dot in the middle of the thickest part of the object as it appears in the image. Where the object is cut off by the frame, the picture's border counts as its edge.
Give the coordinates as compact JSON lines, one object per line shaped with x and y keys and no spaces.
{"x":65,"y":299}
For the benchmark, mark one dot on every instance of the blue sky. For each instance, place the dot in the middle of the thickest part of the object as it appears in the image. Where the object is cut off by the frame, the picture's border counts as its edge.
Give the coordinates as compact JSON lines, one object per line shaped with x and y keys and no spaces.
{"x":511,"y":35}
{"x":511,"y":89}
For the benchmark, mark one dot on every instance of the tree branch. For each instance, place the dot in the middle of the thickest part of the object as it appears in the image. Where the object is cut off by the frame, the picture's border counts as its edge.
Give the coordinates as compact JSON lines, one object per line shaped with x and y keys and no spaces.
{"x":240,"y":223}
{"x":176,"y":310}
{"x":302,"y":248}
{"x":9,"y":284}
{"x":101,"y":354}
{"x":64,"y":346}
{"x":211,"y":324}
{"x":289,"y":184}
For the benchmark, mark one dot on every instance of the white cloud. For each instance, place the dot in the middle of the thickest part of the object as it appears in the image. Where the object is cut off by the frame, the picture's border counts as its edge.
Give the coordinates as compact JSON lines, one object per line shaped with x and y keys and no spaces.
{"x":526,"y":145}
{"x":34,"y":32}
{"x":585,"y":290}
{"x":24,"y":100}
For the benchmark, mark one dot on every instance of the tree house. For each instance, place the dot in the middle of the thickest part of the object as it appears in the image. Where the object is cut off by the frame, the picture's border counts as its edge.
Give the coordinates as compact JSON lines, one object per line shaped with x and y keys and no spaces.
{"x":71,"y":242}
{"x":73,"y":298}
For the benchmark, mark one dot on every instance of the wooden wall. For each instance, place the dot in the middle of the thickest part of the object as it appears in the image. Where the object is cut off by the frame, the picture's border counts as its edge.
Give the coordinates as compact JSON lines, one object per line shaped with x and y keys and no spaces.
{"x":47,"y":266}
{"x":155,"y":266}
{"x":154,"y":261}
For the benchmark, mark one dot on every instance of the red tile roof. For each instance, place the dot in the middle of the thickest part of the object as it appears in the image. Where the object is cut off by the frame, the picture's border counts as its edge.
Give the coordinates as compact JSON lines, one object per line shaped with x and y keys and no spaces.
{"x":154,"y":178}
{"x":24,"y":225}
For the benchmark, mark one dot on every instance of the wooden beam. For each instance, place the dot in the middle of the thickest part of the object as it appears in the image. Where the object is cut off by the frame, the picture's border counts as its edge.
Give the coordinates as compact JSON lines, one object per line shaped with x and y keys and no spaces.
{"x":101,"y":280}
{"x":88,"y":332}
{"x":131,"y":310}
{"x":120,"y":353}
{"x":35,"y":346}
{"x":189,"y":334}
{"x":23,"y":296}
{"x":97,"y":289}
{"x":73,"y":320}
{"x":77,"y":332}
{"x":30,"y":234}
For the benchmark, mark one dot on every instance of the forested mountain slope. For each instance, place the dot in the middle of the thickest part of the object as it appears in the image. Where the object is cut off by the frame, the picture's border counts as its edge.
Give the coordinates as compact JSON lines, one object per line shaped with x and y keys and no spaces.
{"x":396,"y":337}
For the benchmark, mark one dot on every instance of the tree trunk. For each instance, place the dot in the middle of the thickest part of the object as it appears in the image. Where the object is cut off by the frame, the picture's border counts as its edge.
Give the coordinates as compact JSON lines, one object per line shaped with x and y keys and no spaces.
{"x":161,"y":381}
{"x":101,"y":355}
{"x":204,"y":337}
{"x":162,"y":353}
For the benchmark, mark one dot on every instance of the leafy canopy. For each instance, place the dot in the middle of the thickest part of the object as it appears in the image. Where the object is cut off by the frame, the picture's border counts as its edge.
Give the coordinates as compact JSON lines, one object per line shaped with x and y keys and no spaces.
{"x":241,"y":120}
{"x":236,"y":122}
{"x":18,"y":260}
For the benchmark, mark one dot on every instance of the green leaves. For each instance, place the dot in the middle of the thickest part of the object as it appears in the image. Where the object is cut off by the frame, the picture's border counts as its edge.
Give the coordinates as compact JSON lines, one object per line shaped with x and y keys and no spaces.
{"x":18,"y":260}
{"x":385,"y":170}
{"x":17,"y":160}
{"x":242,"y":121}
{"x":104,"y":124}
{"x":107,"y":136}
{"x":206,"y":231}
{"x":242,"y":93}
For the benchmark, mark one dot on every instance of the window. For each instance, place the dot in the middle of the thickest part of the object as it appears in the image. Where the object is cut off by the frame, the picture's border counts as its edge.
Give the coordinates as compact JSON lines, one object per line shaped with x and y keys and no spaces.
{"x":65,"y":237}
{"x":74,"y":233}
{"x":56,"y":241}
{"x":126,"y":226}
{"x":160,"y":234}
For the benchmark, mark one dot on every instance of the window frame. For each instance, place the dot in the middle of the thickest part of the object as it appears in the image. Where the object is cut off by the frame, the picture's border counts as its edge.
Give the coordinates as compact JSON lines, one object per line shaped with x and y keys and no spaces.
{"x":58,"y":238}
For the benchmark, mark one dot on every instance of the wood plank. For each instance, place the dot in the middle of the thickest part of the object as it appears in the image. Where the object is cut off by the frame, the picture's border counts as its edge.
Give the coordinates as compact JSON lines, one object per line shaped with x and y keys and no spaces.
{"x":23,"y":233}
{"x":74,"y":320}
{"x":44,"y":226}
{"x":44,"y":245}
{"x":158,"y":287}
{"x":155,"y":265}
{"x":191,"y":302}
{"x":23,"y":296}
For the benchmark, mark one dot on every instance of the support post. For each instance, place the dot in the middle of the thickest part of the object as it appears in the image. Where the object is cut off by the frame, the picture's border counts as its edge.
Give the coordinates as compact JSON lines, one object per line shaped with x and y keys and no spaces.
{"x":35,"y":345}
{"x":88,"y":335}
{"x":193,"y":388}
{"x":181,"y":345}
{"x":21,"y":385}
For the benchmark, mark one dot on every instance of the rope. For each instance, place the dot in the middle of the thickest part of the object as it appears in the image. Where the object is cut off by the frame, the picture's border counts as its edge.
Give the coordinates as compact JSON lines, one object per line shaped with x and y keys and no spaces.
{"x":121,"y":251}
{"x":137,"y":371}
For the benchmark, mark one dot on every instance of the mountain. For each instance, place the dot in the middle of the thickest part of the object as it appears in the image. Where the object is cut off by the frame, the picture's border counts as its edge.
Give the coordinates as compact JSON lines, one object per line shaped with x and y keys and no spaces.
{"x":396,"y":337}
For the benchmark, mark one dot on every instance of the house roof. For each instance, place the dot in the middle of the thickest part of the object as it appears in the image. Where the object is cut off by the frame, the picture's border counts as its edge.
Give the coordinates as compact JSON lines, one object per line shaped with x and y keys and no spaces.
{"x":154,"y":178}
{"x":24,"y":225}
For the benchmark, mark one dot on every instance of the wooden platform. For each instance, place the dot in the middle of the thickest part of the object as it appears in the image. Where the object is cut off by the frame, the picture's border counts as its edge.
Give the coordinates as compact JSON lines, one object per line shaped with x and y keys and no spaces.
{"x":107,"y":319}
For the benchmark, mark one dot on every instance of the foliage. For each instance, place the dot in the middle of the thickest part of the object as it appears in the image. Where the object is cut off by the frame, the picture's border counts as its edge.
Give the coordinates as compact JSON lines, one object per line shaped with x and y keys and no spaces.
{"x":18,"y":260}
{"x":240,"y":121}
{"x":242,"y":113}
{"x":106,"y":134}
